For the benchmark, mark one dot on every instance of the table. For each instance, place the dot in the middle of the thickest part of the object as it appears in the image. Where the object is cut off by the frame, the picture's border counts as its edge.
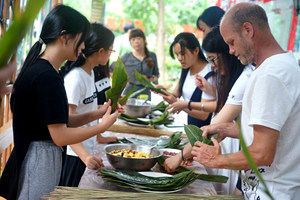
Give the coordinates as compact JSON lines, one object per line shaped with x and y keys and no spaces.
{"x":90,"y":179}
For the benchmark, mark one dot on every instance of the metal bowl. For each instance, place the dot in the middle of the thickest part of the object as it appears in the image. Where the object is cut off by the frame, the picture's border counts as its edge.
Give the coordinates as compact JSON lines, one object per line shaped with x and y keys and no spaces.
{"x":137,"y":107}
{"x":137,"y":164}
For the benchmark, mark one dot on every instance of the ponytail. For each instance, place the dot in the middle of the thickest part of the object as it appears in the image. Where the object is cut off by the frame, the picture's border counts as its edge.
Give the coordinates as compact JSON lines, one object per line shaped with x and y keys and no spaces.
{"x":31,"y":58}
{"x":149,"y":60}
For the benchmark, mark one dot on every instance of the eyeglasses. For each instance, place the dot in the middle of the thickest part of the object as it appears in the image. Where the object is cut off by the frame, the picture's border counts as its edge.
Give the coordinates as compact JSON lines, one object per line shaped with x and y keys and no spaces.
{"x":213,"y":60}
{"x":111,"y":50}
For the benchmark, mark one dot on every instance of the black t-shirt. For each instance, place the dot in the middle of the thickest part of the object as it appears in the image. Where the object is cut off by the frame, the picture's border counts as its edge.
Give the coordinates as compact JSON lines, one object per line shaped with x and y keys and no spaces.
{"x":39,"y":99}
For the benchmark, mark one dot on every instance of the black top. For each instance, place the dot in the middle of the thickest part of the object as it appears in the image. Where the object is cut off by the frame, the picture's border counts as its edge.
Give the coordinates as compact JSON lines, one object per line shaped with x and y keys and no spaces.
{"x":39,"y":99}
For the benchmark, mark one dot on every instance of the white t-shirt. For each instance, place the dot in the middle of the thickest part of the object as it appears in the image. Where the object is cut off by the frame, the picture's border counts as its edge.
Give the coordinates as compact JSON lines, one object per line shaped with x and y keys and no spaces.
{"x":231,"y":145}
{"x":189,"y":85}
{"x":235,"y":96}
{"x":272,"y":99}
{"x":81,"y":91}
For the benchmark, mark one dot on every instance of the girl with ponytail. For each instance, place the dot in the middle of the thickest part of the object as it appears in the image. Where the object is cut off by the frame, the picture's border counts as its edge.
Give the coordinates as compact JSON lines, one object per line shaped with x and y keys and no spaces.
{"x":140,"y":59}
{"x":41,"y":120}
{"x":82,"y":98}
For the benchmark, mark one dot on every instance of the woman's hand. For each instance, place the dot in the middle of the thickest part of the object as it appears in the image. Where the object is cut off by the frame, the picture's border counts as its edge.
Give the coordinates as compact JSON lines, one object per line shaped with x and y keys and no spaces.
{"x":103,"y":108}
{"x":171,"y":164}
{"x":101,"y":139}
{"x":109,"y":118}
{"x":122,"y":96}
{"x":177,"y":106}
{"x":169,"y":97}
{"x":93,"y":162}
{"x":203,"y":85}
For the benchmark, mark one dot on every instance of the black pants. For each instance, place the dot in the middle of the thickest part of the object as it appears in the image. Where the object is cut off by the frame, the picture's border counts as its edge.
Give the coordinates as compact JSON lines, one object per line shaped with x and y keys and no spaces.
{"x":72,"y":171}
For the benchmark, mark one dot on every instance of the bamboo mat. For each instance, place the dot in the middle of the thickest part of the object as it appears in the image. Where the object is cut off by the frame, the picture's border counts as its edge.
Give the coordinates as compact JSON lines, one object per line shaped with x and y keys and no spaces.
{"x":82,"y":193}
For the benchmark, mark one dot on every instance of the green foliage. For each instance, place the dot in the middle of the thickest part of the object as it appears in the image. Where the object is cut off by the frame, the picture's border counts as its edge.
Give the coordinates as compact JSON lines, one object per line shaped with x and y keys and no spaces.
{"x":175,"y":13}
{"x":84,"y":7}
{"x":18,"y":29}
{"x":142,"y":10}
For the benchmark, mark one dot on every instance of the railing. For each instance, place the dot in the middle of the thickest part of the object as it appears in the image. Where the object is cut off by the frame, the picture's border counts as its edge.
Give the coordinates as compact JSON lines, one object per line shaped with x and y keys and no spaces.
{"x":6,"y":134}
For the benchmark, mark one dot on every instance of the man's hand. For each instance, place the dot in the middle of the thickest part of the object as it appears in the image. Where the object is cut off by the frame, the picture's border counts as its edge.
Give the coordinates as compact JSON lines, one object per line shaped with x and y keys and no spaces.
{"x":206,"y":154}
{"x":223,"y":130}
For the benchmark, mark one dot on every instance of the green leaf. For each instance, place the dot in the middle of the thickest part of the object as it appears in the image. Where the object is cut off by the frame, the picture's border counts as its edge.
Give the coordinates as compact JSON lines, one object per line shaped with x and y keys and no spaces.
{"x":194,"y":134}
{"x":137,"y":92}
{"x":127,"y":95}
{"x":141,"y":78}
{"x":18,"y":29}
{"x":119,"y":81}
{"x":161,"y":106}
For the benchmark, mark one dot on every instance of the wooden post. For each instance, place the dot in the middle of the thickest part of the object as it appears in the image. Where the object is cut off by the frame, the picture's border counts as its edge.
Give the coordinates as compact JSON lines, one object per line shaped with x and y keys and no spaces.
{"x":97,"y":11}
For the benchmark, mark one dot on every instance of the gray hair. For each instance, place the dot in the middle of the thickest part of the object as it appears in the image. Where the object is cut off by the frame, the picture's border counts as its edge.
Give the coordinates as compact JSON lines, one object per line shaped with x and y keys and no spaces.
{"x":251,"y":13}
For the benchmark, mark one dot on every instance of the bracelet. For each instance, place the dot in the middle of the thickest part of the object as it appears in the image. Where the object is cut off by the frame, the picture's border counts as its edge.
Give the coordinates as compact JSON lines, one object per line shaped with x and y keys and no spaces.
{"x":189,"y":105}
{"x":182,"y":155}
{"x":202,"y":107}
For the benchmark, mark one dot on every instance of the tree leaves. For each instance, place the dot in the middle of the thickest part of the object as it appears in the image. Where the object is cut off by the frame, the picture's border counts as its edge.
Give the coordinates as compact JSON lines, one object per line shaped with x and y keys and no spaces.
{"x":18,"y":29}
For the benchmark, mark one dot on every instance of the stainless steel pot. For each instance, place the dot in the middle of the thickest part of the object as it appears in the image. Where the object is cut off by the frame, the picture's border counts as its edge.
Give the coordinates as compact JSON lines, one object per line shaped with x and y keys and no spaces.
{"x":137,"y":107}
{"x":137,"y":164}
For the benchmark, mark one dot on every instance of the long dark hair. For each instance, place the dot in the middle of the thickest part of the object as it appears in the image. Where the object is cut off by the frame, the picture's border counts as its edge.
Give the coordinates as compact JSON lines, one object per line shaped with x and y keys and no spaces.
{"x":136,"y":32}
{"x":61,"y":18}
{"x":100,"y":37}
{"x":211,"y":16}
{"x":214,"y":43}
{"x":189,"y":41}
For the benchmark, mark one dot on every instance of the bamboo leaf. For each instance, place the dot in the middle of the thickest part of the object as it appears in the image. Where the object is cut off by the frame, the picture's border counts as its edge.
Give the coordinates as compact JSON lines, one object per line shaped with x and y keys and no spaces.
{"x":18,"y":29}
{"x":147,"y":83}
{"x":119,"y":81}
{"x":161,"y":106}
{"x":127,"y":95}
{"x":137,"y":92}
{"x":194,"y":134}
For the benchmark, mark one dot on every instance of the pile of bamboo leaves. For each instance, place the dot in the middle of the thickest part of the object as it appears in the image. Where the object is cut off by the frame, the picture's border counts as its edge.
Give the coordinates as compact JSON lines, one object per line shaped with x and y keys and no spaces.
{"x":82,"y":193}
{"x":163,"y":120}
{"x":140,"y":182}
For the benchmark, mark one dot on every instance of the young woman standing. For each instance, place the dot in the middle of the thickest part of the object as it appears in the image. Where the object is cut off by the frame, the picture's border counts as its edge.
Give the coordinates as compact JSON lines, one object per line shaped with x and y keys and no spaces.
{"x":140,"y":59}
{"x":82,"y":98}
{"x":187,"y":49}
{"x":41,"y":121}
